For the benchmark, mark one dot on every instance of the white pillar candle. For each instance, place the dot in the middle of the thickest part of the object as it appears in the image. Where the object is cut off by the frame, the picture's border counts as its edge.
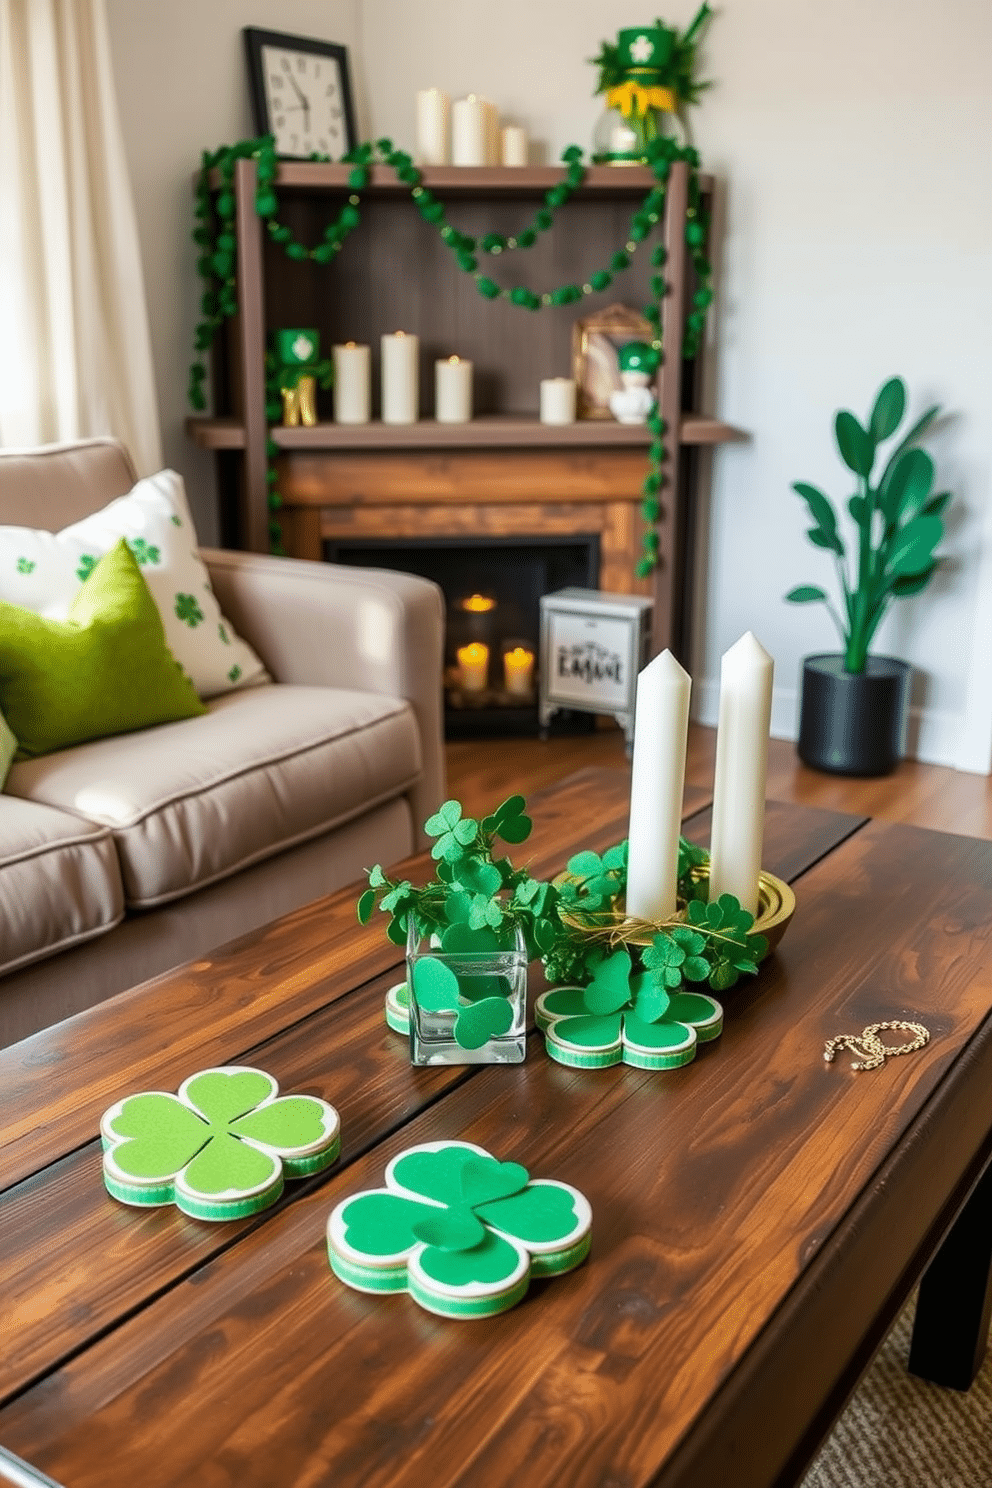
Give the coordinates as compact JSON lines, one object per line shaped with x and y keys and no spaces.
{"x":558,"y":400}
{"x":400,"y":398}
{"x":473,"y":666}
{"x":513,"y":145}
{"x":661,"y":726}
{"x":470,"y":131}
{"x":453,"y":391}
{"x":746,"y":673}
{"x":352,"y":383}
{"x":518,"y":671}
{"x":433,"y":127}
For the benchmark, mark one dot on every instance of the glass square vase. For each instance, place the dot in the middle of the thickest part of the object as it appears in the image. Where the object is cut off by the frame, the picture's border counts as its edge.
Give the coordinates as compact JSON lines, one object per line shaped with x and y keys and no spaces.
{"x":467,"y":1006}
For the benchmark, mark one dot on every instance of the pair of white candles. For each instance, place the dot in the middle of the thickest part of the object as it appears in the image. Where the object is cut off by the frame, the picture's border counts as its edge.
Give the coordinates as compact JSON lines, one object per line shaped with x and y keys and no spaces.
{"x":400,"y":383}
{"x":661,"y":723}
{"x":466,"y":133}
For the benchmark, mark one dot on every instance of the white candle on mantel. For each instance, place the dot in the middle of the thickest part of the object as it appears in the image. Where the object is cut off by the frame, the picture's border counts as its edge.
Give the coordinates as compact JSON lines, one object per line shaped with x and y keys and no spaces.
{"x":746,"y":673}
{"x":453,"y":391}
{"x":470,"y":128}
{"x":352,"y":383}
{"x":558,"y":400}
{"x":433,"y":127}
{"x":513,"y":145}
{"x":400,"y":398}
{"x":661,"y":727}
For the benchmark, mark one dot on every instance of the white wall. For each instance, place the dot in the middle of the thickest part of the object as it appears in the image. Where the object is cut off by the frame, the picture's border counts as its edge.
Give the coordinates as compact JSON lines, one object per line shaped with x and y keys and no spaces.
{"x":852,"y":146}
{"x":182,"y":89}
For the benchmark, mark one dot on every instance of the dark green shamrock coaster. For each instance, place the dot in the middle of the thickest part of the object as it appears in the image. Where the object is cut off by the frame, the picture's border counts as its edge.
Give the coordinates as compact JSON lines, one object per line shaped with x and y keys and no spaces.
{"x":398,"y":1008}
{"x":221,"y":1148}
{"x":585,"y":1032}
{"x":460,"y":1231}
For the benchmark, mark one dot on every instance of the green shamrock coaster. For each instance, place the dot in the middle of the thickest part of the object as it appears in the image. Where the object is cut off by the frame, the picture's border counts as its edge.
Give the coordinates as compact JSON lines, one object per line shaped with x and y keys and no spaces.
{"x":398,"y":1008}
{"x":460,"y":1231}
{"x":584,"y":1028}
{"x":221,"y":1148}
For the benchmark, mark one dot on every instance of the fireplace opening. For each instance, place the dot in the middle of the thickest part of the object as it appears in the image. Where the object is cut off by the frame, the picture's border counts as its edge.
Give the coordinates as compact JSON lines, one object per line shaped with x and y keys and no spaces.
{"x":492,"y":588}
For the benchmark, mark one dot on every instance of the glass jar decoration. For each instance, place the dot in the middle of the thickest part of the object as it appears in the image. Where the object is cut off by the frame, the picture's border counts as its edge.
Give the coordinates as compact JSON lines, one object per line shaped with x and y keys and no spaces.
{"x":647,"y":78}
{"x":467,"y":999}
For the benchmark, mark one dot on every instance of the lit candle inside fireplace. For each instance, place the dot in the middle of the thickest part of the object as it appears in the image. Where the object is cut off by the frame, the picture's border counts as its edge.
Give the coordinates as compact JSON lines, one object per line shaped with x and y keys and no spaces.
{"x":473,"y":666}
{"x":477,"y":604}
{"x":518,"y":671}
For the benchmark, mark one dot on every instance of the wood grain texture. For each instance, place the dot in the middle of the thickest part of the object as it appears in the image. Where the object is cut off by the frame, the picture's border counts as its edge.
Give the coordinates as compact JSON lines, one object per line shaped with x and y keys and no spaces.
{"x":721,"y":1194}
{"x":451,"y":477}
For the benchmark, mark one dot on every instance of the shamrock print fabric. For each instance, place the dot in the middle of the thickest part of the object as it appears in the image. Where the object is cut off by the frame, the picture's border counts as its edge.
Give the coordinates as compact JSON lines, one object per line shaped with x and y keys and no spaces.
{"x":221,"y":1148}
{"x":43,"y":572}
{"x":459,"y":1230}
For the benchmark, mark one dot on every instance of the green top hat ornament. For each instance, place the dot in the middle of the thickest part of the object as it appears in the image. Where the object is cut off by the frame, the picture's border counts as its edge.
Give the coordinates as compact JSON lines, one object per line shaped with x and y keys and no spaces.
{"x":647,"y":77}
{"x":637,"y":356}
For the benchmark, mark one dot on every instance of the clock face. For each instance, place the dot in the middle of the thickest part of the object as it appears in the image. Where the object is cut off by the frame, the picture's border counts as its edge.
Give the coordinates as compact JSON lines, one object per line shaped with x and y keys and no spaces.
{"x":305,"y":103}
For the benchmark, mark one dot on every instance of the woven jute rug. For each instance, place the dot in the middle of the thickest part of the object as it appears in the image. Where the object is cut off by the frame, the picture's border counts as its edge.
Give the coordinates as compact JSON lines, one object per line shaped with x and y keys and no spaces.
{"x":897,"y":1431}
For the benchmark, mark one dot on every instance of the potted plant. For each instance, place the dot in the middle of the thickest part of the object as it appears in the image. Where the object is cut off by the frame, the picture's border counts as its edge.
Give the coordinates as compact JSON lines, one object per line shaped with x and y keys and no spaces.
{"x":854,"y":705}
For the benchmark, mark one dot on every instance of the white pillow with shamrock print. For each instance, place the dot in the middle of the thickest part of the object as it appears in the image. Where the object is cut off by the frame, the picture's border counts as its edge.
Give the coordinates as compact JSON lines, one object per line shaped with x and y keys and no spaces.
{"x":44,"y":571}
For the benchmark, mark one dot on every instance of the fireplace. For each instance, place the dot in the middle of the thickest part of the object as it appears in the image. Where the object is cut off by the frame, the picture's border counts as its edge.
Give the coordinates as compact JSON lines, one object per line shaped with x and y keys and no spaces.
{"x":492,"y":589}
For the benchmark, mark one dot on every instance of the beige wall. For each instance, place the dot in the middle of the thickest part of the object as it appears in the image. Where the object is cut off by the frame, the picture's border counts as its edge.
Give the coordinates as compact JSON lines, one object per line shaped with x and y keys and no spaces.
{"x":851,"y":142}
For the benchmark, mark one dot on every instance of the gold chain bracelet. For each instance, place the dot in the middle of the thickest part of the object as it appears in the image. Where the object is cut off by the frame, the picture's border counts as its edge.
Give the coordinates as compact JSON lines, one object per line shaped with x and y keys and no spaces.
{"x":869,"y":1047}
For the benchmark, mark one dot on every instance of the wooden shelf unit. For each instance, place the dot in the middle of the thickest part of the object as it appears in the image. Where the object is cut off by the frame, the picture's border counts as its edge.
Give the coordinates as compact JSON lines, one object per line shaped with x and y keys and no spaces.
{"x":504,"y":473}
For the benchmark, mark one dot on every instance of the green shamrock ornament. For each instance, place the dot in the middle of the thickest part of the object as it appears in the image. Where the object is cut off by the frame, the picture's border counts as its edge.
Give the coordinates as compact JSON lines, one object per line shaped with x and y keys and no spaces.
{"x":459,"y":1230}
{"x":219,"y":1149}
{"x":623,"y":1018}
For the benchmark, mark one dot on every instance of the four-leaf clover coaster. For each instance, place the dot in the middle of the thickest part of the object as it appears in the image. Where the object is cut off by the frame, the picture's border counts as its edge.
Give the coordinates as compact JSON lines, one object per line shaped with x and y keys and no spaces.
{"x":458,"y":1229}
{"x":219,"y":1149}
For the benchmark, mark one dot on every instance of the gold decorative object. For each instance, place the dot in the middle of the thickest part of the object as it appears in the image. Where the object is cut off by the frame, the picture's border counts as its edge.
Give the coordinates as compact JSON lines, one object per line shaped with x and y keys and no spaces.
{"x":299,"y":403}
{"x":776,"y":906}
{"x":869,"y":1047}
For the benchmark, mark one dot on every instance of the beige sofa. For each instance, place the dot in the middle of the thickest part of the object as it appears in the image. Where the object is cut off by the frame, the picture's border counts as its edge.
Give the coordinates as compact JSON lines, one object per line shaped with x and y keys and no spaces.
{"x":123,"y":857}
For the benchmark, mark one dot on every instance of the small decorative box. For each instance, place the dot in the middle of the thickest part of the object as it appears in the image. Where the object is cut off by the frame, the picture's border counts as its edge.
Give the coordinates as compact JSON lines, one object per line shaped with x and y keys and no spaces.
{"x":593,"y":645}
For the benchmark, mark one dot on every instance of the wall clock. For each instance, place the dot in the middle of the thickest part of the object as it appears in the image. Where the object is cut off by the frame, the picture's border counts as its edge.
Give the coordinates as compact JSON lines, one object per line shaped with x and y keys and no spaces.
{"x":300,"y":93}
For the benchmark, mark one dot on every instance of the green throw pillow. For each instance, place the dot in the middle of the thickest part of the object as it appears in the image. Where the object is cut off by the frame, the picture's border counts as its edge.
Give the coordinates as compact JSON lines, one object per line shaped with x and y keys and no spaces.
{"x":104,"y":670}
{"x":8,"y":748}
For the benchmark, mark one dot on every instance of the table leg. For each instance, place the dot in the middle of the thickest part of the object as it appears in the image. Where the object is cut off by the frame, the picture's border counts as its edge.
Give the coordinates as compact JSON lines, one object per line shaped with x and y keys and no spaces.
{"x":951,"y":1330}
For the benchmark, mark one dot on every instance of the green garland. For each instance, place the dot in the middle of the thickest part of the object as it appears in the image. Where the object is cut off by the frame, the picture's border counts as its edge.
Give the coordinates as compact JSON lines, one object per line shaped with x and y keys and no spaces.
{"x":214,"y":234}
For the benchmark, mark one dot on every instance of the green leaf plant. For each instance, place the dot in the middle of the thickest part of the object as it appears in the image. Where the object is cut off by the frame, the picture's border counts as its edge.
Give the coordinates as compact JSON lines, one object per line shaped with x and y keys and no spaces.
{"x":896,"y":517}
{"x":575,"y":923}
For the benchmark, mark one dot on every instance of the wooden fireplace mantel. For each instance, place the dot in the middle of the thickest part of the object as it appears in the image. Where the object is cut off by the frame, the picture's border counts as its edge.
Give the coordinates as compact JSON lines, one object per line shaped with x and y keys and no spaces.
{"x":502,"y":474}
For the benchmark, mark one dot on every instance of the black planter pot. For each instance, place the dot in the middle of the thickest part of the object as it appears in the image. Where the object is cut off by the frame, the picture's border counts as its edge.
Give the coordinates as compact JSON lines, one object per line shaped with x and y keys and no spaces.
{"x":853,"y":723}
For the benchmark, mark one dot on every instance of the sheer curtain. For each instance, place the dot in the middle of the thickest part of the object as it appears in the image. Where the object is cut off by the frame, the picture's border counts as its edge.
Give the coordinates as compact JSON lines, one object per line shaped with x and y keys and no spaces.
{"x":75,"y":352}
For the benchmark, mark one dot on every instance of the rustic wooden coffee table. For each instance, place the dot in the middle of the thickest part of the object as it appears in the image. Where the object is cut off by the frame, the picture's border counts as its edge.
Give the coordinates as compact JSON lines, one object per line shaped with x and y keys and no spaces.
{"x":759,"y":1216}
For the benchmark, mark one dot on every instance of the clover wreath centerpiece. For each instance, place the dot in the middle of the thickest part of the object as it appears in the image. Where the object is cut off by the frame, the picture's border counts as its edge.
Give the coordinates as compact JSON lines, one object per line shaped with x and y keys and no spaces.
{"x":458,"y":1229}
{"x":221,"y":1148}
{"x":623,"y":990}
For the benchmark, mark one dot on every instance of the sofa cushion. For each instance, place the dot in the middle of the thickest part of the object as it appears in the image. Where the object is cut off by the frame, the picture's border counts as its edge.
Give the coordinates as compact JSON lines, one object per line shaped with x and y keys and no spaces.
{"x":60,"y":882}
{"x":104,"y":670}
{"x":43,"y":571}
{"x":8,"y":748}
{"x":189,"y":803}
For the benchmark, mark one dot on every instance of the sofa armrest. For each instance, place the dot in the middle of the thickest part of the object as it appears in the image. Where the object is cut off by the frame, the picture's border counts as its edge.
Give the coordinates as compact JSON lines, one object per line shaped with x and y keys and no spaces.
{"x":326,"y":624}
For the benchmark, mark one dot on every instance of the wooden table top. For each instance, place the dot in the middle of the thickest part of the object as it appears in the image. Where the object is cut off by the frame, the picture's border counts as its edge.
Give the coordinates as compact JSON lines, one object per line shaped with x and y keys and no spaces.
{"x":758,"y":1216}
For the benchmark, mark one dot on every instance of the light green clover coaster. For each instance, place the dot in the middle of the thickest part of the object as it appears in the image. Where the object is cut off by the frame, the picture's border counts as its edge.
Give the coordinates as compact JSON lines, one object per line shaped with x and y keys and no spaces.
{"x":650,"y":1029}
{"x":219,"y":1149}
{"x":460,"y":1231}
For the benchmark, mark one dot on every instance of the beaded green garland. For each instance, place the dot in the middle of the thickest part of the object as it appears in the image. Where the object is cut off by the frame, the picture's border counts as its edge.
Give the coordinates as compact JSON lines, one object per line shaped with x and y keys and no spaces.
{"x":214,"y":235}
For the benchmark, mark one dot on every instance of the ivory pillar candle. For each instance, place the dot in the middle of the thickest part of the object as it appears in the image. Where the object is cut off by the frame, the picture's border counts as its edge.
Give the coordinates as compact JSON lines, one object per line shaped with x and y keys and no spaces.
{"x":433,"y":127}
{"x":661,"y":726}
{"x":453,"y":391}
{"x":473,"y":666}
{"x":400,"y":396}
{"x":518,"y":671}
{"x":513,"y":145}
{"x":558,"y":400}
{"x":746,"y":673}
{"x":352,"y":383}
{"x":470,"y":123}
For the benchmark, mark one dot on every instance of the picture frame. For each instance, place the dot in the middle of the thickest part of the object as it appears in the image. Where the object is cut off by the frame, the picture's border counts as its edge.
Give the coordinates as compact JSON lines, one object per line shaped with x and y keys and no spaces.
{"x":300,"y":89}
{"x":596,"y":342}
